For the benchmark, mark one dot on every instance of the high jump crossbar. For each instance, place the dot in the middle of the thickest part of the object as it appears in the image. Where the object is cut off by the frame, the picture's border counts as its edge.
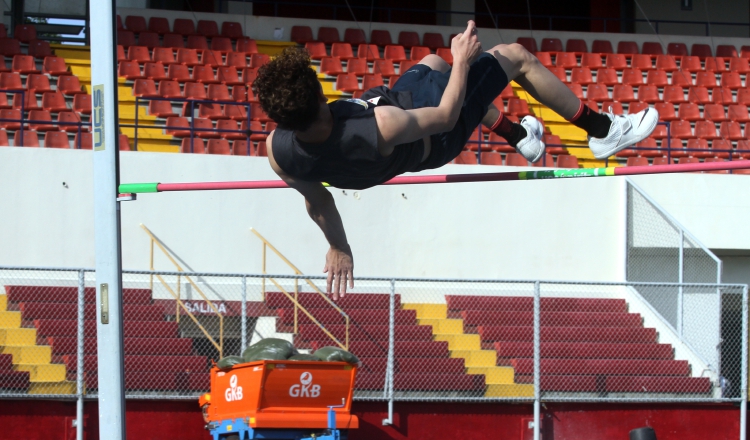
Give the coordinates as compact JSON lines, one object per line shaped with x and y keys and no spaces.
{"x":138,"y":188}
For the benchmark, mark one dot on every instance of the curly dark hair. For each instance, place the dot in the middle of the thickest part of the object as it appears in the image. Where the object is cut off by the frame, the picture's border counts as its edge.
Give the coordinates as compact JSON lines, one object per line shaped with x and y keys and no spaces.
{"x":288,"y":89}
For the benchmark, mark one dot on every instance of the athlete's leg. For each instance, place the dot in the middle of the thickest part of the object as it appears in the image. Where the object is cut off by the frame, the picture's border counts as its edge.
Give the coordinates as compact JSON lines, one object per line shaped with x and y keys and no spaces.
{"x":434,"y":62}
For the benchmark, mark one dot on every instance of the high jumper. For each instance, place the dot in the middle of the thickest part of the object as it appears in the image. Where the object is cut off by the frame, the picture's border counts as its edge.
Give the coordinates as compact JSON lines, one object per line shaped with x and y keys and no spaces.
{"x":423,"y":122}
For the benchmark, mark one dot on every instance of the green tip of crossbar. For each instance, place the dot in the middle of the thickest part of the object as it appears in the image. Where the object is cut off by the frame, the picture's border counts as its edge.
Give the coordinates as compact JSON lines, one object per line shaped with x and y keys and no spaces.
{"x":136,"y":188}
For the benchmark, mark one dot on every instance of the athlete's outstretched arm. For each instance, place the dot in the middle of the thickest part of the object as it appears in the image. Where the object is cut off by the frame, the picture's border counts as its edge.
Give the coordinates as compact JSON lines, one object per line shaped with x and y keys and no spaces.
{"x":322,"y":209}
{"x":397,"y":126}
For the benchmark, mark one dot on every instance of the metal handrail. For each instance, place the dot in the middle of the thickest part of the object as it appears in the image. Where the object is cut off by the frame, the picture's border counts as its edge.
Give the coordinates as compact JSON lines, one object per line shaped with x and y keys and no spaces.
{"x":295,"y":298}
{"x":220,"y":345}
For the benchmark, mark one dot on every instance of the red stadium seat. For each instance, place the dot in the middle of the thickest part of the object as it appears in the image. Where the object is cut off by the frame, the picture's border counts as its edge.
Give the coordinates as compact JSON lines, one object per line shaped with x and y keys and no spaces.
{"x":636,"y":162}
{"x":690,"y":112}
{"x":258,"y":59}
{"x":207,"y":28}
{"x":552,"y":45}
{"x":260,"y":149}
{"x":343,"y":50}
{"x":395,"y":53}
{"x":82,"y":103}
{"x":547,"y":160}
{"x":567,"y":161}
{"x":614,"y":107}
{"x":591,"y":60}
{"x":684,"y":160}
{"x":623,"y":93}
{"x":39,"y":49}
{"x":648,"y":93}
{"x":433,"y":40}
{"x":601,"y":46}
{"x":212,"y":58}
{"x":174,"y":41}
{"x":161,"y":109}
{"x":518,"y":107}
{"x":13,"y":115}
{"x":54,"y":66}
{"x":10,"y":81}
{"x":581,"y":75}
{"x":408,"y":39}
{"x":331,"y":66}
{"x":221,"y":44}
{"x":83,"y":142}
{"x":380,"y":37}
{"x":577,"y":89}
{"x":682,"y":78}
{"x":648,"y":148}
{"x":70,"y":122}
{"x":700,"y":50}
{"x":54,"y":102}
{"x":691,"y":64}
{"x":188,"y":57}
{"x":249,"y":74}
{"x":731,"y":80}
{"x":218,"y":92}
{"x":729,"y":130}
{"x":160,"y":25}
{"x":419,"y":52}
{"x":726,"y":51}
{"x":177,"y":127}
{"x":681,"y":130}
{"x":231,"y":29}
{"x":317,"y":50}
{"x":674,"y":94}
{"x":528,"y":43}
{"x":228,"y":76}
{"x":135,"y":23}
{"x":25,"y":33}
{"x":666,"y":63}
{"x":144,"y":88}
{"x":193,"y":145}
{"x":24,"y":64}
{"x":566,"y":59}
{"x":738,"y":113}
{"x":218,"y":146}
{"x":257,"y":113}
{"x":163,"y":55}
{"x":38,"y":83}
{"x":743,"y":96}
{"x":197,"y":42}
{"x":383,"y":67}
{"x":354,"y":36}
{"x":129,"y":70}
{"x":721,"y":95}
{"x":632,"y":77}
{"x":242,"y":148}
{"x":55,"y":139}
{"x":328,"y":35}
{"x":229,"y":124}
{"x":302,"y":34}
{"x":372,"y":80}
{"x":492,"y":158}
{"x":715,"y":65}
{"x":740,"y":65}
{"x":653,"y":48}
{"x":574,"y":45}
{"x":722,"y":144}
{"x":665,"y":110}
{"x":657,"y":78}
{"x":178,"y":72}
{"x":698,"y":148}
{"x":125,"y":38}
{"x":149,"y":39}
{"x":743,"y":149}
{"x":714,"y":112}
{"x":698,"y":95}
{"x":616,"y":61}
{"x":627,"y":47}
{"x":707,"y":130}
{"x":10,"y":47}
{"x":247,"y":45}
{"x":204,"y":74}
{"x":445,"y":54}
{"x":641,"y":61}
{"x":368,"y":51}
{"x":679,"y":49}
{"x":41,"y":115}
{"x":545,"y":58}
{"x":194,"y":90}
{"x":155,"y":71}
{"x":204,"y":128}
{"x":357,"y":66}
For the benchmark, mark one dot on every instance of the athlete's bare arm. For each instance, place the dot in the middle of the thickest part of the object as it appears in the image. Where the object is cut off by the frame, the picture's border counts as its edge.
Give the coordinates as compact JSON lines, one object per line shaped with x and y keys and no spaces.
{"x":397,"y":126}
{"x":322,"y":209}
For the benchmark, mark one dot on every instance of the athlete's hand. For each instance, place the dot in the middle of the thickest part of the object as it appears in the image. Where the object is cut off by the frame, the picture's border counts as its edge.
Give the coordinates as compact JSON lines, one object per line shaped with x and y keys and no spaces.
{"x":339,"y":267}
{"x":465,"y":47}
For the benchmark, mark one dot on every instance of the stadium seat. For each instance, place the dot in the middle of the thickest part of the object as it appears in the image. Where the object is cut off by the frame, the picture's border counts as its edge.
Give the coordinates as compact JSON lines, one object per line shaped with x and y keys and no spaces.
{"x":125,"y":38}
{"x":70,"y":122}
{"x":581,"y":75}
{"x":207,"y":28}
{"x":559,"y":72}
{"x":258,"y":59}
{"x":574,"y":45}
{"x":237,"y":59}
{"x":343,"y":50}
{"x":546,"y":59}
{"x":193,"y":145}
{"x":331,"y":66}
{"x":10,"y":47}
{"x":715,"y":65}
{"x":648,"y":148}
{"x":722,"y":144}
{"x":218,"y":92}
{"x":249,"y":74}
{"x":317,"y":50}
{"x":408,"y":39}
{"x":616,"y":61}
{"x":691,"y":64}
{"x":684,"y":160}
{"x":231,"y":29}
{"x":721,"y":95}
{"x":188,"y":57}
{"x":518,"y":107}
{"x":567,"y":161}
{"x":433,"y":40}
{"x":30,"y":139}
{"x":743,"y":149}
{"x":681,"y":130}
{"x":395,"y":53}
{"x":10,"y":81}
{"x":197,"y":42}
{"x":674,"y":94}
{"x":714,"y":112}
{"x":246,"y":45}
{"x":54,"y":102}
{"x":577,"y":89}
{"x":328,"y":35}
{"x":204,"y":128}
{"x":707,"y":130}
{"x":54,"y":66}
{"x":700,"y":50}
{"x":383,"y":67}
{"x":55,"y":139}
{"x":642,"y":62}
{"x":512,"y":160}
{"x":240,"y":94}
{"x":163,"y":55}
{"x":649,"y":93}
{"x":302,"y":34}
{"x":221,"y":44}
{"x":135,"y":23}
{"x":529,"y":43}
{"x":260,"y":149}
{"x":218,"y":146}
{"x":419,"y":52}
{"x":678,"y":49}
{"x":178,"y":72}
{"x":657,"y":78}
{"x":173,"y":41}
{"x":632,"y":77}
{"x":354,"y":36}
{"x":731,"y":80}
{"x":242,"y":148}
{"x":143,"y":88}
{"x":601,"y":46}
{"x":666,"y":63}
{"x":24,"y":64}
{"x":83,"y":142}
{"x":730,"y":130}
{"x":25,"y":33}
{"x":257,"y":113}
{"x":380,"y":37}
{"x":4,"y":101}
{"x":233,"y":132}
{"x":129,"y":70}
{"x":653,"y":48}
{"x":155,"y":71}
{"x":149,"y":39}
{"x":739,"y":65}
{"x":28,"y":102}
{"x":628,"y":47}
{"x":177,"y":126}
{"x":204,"y":74}
{"x":367,"y":51}
{"x":623,"y":93}
{"x":666,"y":111}
{"x":660,"y":132}
{"x":552,"y":45}
{"x":37,"y":83}
{"x":566,"y":60}
{"x":372,"y":80}
{"x":547,"y":161}
{"x":228,"y":76}
{"x":160,"y":25}
{"x":682,"y":78}
{"x":738,"y":113}
{"x":39,"y":49}
{"x":636,"y":162}
{"x":466,"y":158}
{"x":726,"y":51}
{"x":614,"y":107}
{"x":591,"y":60}
{"x":698,"y":148}
{"x":194,"y":90}
{"x":492,"y":158}
{"x":698,"y":95}
{"x":690,"y":112}
{"x":161,"y":109}
{"x":11,"y":115}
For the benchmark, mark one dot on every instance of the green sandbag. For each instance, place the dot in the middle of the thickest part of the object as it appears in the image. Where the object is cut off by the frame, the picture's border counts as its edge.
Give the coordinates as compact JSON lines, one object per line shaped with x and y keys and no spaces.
{"x":303,"y":357}
{"x":269,"y":349}
{"x":229,"y":362}
{"x":335,"y":354}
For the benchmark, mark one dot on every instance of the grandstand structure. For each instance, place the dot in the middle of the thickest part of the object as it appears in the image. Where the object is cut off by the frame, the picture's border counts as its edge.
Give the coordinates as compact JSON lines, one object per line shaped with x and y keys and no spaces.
{"x":187,"y":113}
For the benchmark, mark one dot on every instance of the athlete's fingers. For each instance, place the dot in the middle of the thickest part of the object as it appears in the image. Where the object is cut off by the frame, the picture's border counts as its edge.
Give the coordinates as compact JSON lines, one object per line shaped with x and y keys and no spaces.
{"x":337,"y":285}
{"x":470,"y":29}
{"x":351,"y":278}
{"x":343,"y":285}
{"x":329,"y":282}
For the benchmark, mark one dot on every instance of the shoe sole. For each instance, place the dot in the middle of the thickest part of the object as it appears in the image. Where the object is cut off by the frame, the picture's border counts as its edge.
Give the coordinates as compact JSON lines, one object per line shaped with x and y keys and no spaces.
{"x":619,"y":148}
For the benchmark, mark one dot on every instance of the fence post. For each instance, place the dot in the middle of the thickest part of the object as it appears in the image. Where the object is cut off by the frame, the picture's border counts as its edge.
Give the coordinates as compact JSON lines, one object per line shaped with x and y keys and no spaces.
{"x":537,"y":355}
{"x":388,"y":389}
{"x":79,"y":355}
{"x":743,"y":369}
{"x":680,"y":279}
{"x":244,"y":314}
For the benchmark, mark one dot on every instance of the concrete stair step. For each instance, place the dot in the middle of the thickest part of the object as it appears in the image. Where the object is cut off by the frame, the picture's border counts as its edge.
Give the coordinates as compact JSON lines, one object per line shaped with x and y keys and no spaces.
{"x":64,"y":387}
{"x":444,"y":326}
{"x":460,"y":341}
{"x":515,"y":390}
{"x":428,"y":311}
{"x":10,"y":319}
{"x":18,"y":337}
{"x":476,"y":358}
{"x":494,"y":375}
{"x":3,"y":303}
{"x":37,"y":354}
{"x":43,"y":372}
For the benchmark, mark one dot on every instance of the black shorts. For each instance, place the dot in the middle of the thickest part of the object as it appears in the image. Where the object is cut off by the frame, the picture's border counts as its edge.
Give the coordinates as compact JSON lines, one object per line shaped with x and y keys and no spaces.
{"x":485,"y":82}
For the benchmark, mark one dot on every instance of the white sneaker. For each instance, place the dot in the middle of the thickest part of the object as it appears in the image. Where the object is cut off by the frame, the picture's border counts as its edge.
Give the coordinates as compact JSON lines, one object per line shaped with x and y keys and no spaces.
{"x":626,"y":130}
{"x":531,"y":147}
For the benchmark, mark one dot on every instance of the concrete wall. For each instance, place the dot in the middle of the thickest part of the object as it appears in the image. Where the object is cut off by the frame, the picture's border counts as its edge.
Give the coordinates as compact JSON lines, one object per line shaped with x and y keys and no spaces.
{"x":726,"y":11}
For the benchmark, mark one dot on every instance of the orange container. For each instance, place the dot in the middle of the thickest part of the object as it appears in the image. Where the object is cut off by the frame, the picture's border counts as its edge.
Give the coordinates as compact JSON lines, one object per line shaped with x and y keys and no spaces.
{"x":282,"y":394}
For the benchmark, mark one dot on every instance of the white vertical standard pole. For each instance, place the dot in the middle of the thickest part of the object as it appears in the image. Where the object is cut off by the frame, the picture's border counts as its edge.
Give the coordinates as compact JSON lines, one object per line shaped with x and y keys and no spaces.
{"x":107,"y":221}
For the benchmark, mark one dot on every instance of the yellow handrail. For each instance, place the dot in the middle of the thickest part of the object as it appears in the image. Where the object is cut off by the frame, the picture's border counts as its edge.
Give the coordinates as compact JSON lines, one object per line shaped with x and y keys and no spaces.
{"x":219,"y":345}
{"x":294,"y":299}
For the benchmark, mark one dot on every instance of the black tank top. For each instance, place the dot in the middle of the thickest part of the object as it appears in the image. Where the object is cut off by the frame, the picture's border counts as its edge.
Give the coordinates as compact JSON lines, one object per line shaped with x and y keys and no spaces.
{"x":349,"y":158}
